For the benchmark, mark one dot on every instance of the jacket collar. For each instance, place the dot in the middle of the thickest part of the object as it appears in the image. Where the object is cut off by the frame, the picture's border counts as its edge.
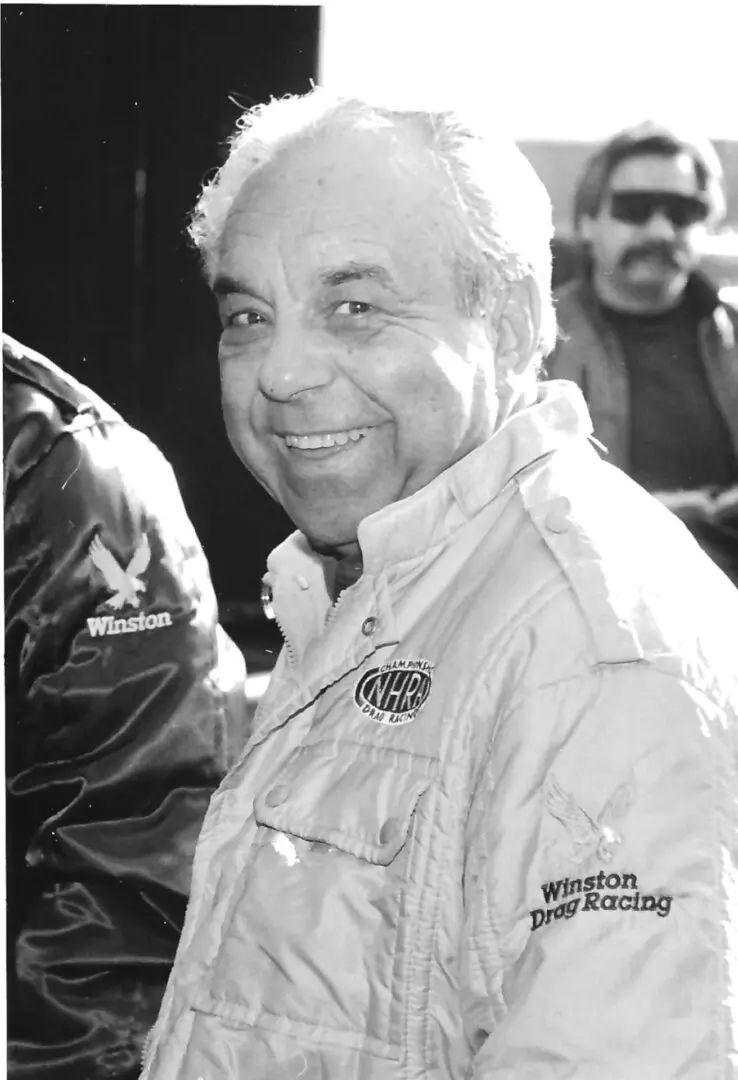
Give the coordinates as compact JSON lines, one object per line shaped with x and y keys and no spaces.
{"x":408,"y":529}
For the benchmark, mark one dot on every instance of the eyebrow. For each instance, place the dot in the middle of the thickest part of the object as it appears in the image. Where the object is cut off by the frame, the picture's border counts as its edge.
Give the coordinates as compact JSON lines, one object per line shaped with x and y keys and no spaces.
{"x":355,"y":271}
{"x":224,"y":284}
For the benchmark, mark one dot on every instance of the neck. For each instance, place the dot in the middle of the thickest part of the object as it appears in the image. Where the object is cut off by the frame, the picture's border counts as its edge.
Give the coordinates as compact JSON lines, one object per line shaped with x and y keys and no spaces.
{"x":349,"y":564}
{"x":348,"y":571}
{"x":611,"y":293}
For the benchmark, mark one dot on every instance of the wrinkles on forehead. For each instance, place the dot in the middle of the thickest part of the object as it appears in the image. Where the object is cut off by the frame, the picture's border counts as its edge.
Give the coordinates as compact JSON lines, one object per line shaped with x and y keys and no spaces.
{"x":343,"y":197}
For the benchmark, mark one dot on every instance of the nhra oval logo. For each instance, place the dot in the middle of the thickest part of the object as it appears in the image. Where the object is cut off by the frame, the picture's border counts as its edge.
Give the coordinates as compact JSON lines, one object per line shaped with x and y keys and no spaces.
{"x":394,"y":692}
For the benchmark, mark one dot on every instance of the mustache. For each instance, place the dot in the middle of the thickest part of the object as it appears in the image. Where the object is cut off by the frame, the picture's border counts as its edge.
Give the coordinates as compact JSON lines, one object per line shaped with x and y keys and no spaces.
{"x":657,"y":249}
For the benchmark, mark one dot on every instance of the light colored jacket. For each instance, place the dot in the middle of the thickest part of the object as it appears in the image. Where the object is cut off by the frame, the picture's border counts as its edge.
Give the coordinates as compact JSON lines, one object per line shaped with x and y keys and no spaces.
{"x":589,"y":354}
{"x":485,"y":826}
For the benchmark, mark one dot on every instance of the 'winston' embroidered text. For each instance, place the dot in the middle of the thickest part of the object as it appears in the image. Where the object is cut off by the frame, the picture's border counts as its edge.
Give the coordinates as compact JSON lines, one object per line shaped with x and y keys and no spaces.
{"x":102,"y":625}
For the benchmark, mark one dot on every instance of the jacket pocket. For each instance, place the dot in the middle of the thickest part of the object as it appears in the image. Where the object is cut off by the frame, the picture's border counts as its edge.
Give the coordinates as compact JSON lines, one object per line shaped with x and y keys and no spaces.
{"x":363,"y":806}
{"x":310,"y":946}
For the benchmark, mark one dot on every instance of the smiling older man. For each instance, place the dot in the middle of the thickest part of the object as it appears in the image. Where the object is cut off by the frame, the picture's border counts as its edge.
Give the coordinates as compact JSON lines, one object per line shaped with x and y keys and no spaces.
{"x":484,"y":826}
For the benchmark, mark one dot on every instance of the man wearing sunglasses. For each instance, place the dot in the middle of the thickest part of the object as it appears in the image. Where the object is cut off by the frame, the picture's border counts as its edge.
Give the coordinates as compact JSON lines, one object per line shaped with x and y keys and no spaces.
{"x":645,"y":335}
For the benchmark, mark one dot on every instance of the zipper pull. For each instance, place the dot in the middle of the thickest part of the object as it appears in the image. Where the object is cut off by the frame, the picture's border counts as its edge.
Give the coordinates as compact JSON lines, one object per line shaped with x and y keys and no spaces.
{"x":267,"y":601}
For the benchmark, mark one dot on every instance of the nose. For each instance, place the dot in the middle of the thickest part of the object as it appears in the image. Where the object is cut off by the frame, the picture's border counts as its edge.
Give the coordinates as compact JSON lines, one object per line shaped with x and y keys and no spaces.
{"x":295,"y":364}
{"x":660,"y":227}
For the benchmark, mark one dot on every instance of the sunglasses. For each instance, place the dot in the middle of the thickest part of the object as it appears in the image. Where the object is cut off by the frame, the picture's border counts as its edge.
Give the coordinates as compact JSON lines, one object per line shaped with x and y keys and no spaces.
{"x":638,"y":207}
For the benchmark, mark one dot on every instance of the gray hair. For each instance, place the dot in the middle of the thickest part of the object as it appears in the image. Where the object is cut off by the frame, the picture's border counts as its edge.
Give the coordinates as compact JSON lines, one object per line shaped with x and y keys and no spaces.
{"x":503,"y":208}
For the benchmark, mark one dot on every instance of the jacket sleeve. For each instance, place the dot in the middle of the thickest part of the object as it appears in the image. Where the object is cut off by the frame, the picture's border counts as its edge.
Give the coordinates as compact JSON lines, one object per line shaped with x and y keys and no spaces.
{"x":602,"y":905}
{"x":712,"y":518}
{"x":125,"y":707}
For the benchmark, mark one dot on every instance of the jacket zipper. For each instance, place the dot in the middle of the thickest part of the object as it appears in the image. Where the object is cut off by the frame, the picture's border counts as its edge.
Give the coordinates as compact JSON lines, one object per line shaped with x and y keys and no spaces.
{"x":332,"y":613}
{"x":291,"y":655}
{"x":267,"y":604}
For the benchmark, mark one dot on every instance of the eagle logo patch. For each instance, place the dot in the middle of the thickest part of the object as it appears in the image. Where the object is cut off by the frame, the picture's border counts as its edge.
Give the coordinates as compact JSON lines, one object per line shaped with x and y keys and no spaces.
{"x":125,"y":585}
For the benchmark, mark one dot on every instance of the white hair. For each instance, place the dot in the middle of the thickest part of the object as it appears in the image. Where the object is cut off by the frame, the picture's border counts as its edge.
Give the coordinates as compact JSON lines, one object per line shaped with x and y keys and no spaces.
{"x":503,"y":208}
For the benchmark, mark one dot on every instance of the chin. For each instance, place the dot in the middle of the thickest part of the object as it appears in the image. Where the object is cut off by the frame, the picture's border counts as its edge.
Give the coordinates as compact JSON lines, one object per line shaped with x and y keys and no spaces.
{"x":334,"y":522}
{"x":333,"y":548}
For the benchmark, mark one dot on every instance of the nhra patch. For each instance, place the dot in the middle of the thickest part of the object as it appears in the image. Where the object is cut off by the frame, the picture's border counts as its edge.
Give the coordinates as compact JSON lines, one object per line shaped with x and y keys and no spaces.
{"x":395,"y":692}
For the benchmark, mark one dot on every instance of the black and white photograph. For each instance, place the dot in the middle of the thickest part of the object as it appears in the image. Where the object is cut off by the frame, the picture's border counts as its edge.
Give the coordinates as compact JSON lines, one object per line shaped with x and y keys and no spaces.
{"x":370,"y":408}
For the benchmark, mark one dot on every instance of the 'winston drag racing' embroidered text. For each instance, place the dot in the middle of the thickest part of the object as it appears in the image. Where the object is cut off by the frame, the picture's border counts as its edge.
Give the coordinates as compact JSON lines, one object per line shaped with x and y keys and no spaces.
{"x":603,"y":891}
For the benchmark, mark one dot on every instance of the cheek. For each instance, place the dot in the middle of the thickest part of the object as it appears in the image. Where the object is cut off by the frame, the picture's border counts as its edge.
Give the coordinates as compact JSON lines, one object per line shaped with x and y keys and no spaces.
{"x":439,"y":404}
{"x":428,"y":393}
{"x":240,"y":401}
{"x":237,"y":388}
{"x":455,"y":377}
{"x":609,"y":241}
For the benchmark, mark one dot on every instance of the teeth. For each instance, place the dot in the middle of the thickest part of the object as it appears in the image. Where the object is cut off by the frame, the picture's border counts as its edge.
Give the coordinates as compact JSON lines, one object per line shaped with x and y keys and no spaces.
{"x":328,"y":438}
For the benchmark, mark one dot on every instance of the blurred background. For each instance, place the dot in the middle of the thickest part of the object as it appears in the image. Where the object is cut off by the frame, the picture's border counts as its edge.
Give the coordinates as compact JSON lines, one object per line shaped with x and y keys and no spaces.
{"x":112,"y":115}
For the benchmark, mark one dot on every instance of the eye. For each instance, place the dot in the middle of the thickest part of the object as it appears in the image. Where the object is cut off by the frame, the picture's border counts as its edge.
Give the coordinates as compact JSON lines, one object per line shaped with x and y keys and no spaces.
{"x":245,"y":318}
{"x":353,"y":308}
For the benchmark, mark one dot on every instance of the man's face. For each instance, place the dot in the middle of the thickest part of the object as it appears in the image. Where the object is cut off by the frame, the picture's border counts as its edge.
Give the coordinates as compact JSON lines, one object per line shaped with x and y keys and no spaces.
{"x":349,"y":378}
{"x":644,"y":240}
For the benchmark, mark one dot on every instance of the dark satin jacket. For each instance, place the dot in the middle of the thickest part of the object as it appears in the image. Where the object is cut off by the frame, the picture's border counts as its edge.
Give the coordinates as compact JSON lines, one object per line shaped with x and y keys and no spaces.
{"x":124,"y":708}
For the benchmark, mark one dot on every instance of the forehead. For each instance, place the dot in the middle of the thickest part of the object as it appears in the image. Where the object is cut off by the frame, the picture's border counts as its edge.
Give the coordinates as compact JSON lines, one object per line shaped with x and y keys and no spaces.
{"x":656,"y":172}
{"x":341,"y":196}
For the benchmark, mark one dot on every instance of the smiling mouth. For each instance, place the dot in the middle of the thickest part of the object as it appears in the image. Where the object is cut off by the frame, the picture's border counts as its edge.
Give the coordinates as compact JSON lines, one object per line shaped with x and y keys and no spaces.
{"x":325,"y":439}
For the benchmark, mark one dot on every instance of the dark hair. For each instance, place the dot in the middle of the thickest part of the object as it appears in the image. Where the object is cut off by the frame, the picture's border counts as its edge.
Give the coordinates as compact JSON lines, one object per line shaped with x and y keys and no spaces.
{"x":647,"y":138}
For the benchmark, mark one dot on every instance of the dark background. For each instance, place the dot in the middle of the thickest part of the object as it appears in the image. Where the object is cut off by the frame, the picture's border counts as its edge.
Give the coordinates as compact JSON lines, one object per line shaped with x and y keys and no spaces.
{"x":111,"y":118}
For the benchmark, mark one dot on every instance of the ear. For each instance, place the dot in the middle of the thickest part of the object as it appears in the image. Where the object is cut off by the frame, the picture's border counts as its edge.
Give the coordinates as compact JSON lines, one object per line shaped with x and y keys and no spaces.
{"x":517,"y":318}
